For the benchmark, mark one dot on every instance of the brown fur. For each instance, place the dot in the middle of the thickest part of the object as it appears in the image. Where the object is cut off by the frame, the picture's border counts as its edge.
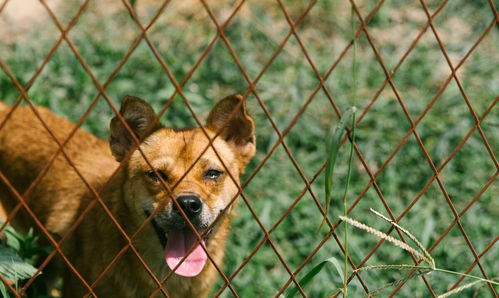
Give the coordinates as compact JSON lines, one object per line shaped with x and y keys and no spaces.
{"x":61,"y":195}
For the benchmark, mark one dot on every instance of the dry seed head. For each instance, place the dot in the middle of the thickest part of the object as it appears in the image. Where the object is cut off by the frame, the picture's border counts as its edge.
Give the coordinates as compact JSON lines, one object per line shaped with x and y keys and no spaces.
{"x":384,"y":236}
{"x":428,"y":258}
{"x":457,"y":290}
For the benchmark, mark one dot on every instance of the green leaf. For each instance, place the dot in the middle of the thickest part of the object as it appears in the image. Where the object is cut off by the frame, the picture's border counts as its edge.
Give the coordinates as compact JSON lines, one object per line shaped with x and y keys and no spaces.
{"x":333,"y":147}
{"x":13,"y":238}
{"x":3,"y":290}
{"x":313,"y":272}
{"x":12,"y":267}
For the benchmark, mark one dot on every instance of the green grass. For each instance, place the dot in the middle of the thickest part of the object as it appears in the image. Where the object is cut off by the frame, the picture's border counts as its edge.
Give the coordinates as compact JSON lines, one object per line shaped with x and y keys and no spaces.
{"x":104,"y":33}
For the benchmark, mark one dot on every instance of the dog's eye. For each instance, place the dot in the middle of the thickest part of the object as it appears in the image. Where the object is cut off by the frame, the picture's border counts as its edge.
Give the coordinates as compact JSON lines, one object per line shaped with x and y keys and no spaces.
{"x":151,"y":175}
{"x":212,"y":174}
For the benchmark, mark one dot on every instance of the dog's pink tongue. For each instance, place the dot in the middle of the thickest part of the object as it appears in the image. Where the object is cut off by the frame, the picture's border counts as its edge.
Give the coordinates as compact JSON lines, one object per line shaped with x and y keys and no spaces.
{"x":179,"y":242}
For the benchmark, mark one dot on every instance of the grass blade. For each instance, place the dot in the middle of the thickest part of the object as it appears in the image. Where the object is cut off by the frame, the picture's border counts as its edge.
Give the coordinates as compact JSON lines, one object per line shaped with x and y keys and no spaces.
{"x":3,"y":290}
{"x":333,"y":147}
{"x":313,"y":272}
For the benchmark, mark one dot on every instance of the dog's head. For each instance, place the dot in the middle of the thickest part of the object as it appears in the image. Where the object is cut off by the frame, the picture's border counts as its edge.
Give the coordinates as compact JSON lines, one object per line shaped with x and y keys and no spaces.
{"x":183,"y":176}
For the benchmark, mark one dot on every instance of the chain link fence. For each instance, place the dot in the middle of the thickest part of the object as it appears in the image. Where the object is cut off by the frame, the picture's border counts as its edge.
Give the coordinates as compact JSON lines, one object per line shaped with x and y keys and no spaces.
{"x":410,"y":134}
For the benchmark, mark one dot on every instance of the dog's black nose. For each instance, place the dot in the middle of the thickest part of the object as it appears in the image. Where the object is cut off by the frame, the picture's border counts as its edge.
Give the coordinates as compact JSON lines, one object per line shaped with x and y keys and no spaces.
{"x":191,"y":205}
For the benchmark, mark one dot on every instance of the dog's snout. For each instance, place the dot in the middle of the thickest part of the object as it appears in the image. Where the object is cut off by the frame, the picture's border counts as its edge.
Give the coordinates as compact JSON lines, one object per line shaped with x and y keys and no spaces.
{"x":191,"y":205}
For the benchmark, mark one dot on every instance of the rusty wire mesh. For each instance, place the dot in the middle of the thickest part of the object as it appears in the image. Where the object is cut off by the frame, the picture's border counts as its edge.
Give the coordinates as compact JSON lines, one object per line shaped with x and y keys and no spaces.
{"x":252,"y":92}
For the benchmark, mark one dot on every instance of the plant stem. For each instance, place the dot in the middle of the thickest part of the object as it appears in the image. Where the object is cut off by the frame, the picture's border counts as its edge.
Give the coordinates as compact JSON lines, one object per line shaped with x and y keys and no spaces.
{"x":345,"y":210}
{"x":350,"y":159}
{"x":453,"y":272}
{"x":467,"y":275}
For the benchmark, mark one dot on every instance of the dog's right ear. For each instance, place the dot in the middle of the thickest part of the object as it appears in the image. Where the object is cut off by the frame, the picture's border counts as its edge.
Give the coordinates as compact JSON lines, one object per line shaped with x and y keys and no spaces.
{"x":139,"y":115}
{"x":239,"y":131}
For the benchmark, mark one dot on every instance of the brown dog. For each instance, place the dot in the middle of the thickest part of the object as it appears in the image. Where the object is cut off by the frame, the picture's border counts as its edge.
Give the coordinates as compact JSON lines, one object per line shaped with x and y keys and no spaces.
{"x":131,"y":195}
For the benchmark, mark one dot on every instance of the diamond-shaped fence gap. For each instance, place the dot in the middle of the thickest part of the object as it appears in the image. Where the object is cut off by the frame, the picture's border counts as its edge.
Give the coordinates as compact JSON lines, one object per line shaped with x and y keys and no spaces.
{"x":177,"y":114}
{"x":27,"y":39}
{"x":189,"y":30}
{"x":64,"y":87}
{"x":426,"y":215}
{"x":296,"y":8}
{"x":432,"y":5}
{"x":298,"y":232}
{"x":381,"y":130}
{"x":445,"y":124}
{"x":63,"y":12}
{"x":453,"y":247}
{"x":369,"y":77}
{"x":458,"y":28}
{"x":329,"y":278}
{"x":325,"y":30}
{"x":477,"y":76}
{"x":145,"y":10}
{"x":286,"y":94}
{"x":223,"y":9}
{"x":422,"y":75}
{"x":264,"y":263}
{"x":17,"y":27}
{"x":307,"y":137}
{"x":103,"y":36}
{"x":217,"y":76}
{"x":156,"y":88}
{"x":483,"y":230}
{"x":369,"y":198}
{"x":256,"y":33}
{"x":398,"y":189}
{"x":365,"y":7}
{"x":474,"y":162}
{"x":394,"y":28}
{"x":280,"y":171}
{"x":415,"y":288}
{"x":490,"y":253}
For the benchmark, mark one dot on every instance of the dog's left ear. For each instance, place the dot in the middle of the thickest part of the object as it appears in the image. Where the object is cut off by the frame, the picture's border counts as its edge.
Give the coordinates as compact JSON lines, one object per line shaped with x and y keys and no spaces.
{"x":239,"y":130}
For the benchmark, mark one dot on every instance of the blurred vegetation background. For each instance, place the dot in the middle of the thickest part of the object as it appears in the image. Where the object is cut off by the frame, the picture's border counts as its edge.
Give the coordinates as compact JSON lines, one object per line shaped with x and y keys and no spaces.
{"x":104,"y":33}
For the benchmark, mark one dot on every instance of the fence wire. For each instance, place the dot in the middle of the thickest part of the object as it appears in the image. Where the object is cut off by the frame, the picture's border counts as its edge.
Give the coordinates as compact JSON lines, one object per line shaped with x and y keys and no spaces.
{"x":280,"y":142}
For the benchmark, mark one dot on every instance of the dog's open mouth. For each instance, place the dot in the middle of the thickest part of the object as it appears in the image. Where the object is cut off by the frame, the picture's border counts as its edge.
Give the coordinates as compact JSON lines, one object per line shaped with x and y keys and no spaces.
{"x":177,"y":242}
